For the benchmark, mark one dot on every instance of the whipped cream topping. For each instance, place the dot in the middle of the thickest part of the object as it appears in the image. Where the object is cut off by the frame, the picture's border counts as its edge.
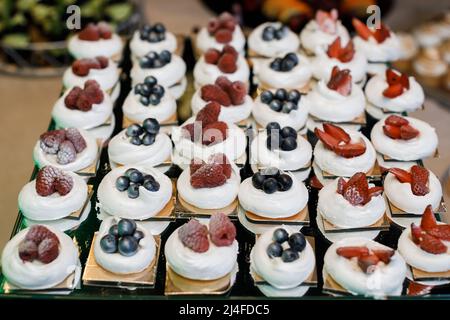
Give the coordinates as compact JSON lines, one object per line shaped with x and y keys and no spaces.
{"x":423,"y":146}
{"x":213,"y":264}
{"x":313,"y":38}
{"x":332,"y":163}
{"x":281,"y":204}
{"x":106,"y":78}
{"x":388,"y":50}
{"x":337,"y":210}
{"x":140,"y":48}
{"x":37,"y":275}
{"x":329,"y":105}
{"x":281,"y":275}
{"x":205,"y":41}
{"x":209,"y":198}
{"x":274,"y":48}
{"x":296,"y":78}
{"x":207,"y":73}
{"x":53,"y":207}
{"x":122,"y":151}
{"x":148,"y":204}
{"x":386,"y":280}
{"x":401,"y":196}
{"x":84,"y":159}
{"x":91,"y":49}
{"x":410,"y":100}
{"x":117,"y":263}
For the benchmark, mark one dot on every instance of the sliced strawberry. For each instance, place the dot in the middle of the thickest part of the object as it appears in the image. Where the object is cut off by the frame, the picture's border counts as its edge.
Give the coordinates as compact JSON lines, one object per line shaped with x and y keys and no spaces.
{"x":402,"y":175}
{"x":336,"y":132}
{"x":428,"y":221}
{"x":384,"y":255}
{"x":381,"y":34}
{"x":392,"y":132}
{"x":328,"y":140}
{"x":441,"y":231}
{"x":417,"y":289}
{"x":416,"y":233}
{"x":340,"y":81}
{"x":334,"y":49}
{"x":432,"y":244}
{"x":362,"y":30}
{"x":356,"y":190}
{"x":350,"y":150}
{"x":404,"y":80}
{"x":368,"y":263}
{"x":408,"y":132}
{"x":352,"y":252}
{"x":394,"y":120}
{"x":419,"y":184}
{"x":347,"y":53}
{"x":315,"y":183}
{"x":392,"y":77}
{"x":341,"y":185}
{"x":375,"y":191}
{"x":393,"y":91}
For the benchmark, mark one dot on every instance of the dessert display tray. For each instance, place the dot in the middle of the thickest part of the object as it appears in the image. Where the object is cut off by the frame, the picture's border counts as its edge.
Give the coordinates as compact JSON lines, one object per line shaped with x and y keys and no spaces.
{"x":244,"y":287}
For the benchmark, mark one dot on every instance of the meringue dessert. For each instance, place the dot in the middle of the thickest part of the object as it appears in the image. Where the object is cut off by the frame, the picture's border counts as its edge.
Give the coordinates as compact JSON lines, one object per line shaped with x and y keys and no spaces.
{"x":404,"y":138}
{"x":96,"y":40}
{"x":88,"y":108}
{"x":393,"y":92}
{"x":284,"y":259}
{"x":365,"y":267}
{"x":282,"y":106}
{"x":214,"y":63}
{"x":341,"y":153}
{"x":123,"y":246}
{"x":135,"y":193}
{"x":202,"y":256}
{"x":168,"y":68}
{"x":68,"y":149}
{"x":221,"y":31}
{"x":140,"y":145}
{"x":152,"y":38}
{"x":271,"y":193}
{"x":408,"y":50}
{"x":322,"y":31}
{"x":39,"y":258}
{"x":283,"y":148}
{"x":429,"y":67}
{"x":236,"y":104}
{"x":211,"y":185}
{"x":413,"y":190}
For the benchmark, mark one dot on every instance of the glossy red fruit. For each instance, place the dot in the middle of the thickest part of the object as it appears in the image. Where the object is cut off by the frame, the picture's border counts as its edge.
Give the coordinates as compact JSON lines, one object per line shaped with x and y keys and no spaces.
{"x":428,"y":220}
{"x":362,"y":30}
{"x":336,"y":132}
{"x":341,"y":185}
{"x":328,"y":140}
{"x":417,"y":289}
{"x":407,"y":132}
{"x":368,"y":263}
{"x":432,"y":244}
{"x":392,"y":132}
{"x":347,"y":53}
{"x":416,"y":233}
{"x":352,"y":252}
{"x":420,"y":177}
{"x":381,"y":34}
{"x":402,"y":175}
{"x":340,"y":81}
{"x":375,"y":191}
{"x":392,"y":77}
{"x":350,"y":150}
{"x":441,"y":231}
{"x":334,"y":49}
{"x":356,"y":190}
{"x":384,"y":255}
{"x":397,"y":121}
{"x":393,"y":91}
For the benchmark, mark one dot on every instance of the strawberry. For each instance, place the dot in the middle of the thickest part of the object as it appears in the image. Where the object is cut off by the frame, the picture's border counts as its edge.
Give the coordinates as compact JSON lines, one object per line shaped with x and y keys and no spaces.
{"x":350,"y":150}
{"x":352,"y":252}
{"x":428,"y":221}
{"x":340,"y":81}
{"x":347,"y":53}
{"x":392,"y":132}
{"x":334,"y":49}
{"x":337,"y":132}
{"x":392,"y":77}
{"x":416,"y":233}
{"x":341,"y":185}
{"x":89,"y":33}
{"x":362,"y":30}
{"x":419,"y":184}
{"x":195,"y":165}
{"x":227,"y":63}
{"x":356,"y":190}
{"x":212,"y":92}
{"x":407,"y":132}
{"x":214,"y":133}
{"x":237,"y":93}
{"x":397,"y":121}
{"x":329,"y":141}
{"x":404,"y":80}
{"x":441,"y":231}
{"x":432,"y":244}
{"x":208,"y":176}
{"x":384,"y":255}
{"x":315,"y":183}
{"x":343,"y":54}
{"x":375,"y":191}
{"x":223,"y":36}
{"x":393,"y":91}
{"x":402,"y":175}
{"x":417,"y":289}
{"x":212,"y":56}
{"x":221,"y":159}
{"x":381,"y":34}
{"x":209,"y":113}
{"x":368,"y":263}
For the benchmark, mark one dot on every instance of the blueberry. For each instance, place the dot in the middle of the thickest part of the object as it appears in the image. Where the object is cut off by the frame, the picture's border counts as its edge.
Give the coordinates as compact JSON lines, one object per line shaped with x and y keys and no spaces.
{"x":144,"y":35}
{"x":154,"y":99}
{"x":145,"y":89}
{"x":276,"y":64}
{"x":161,"y":36}
{"x":165,"y":56}
{"x":130,"y":171}
{"x":294,"y":96}
{"x":146,"y":28}
{"x":279,"y":33}
{"x":134,"y":130}
{"x":152,"y":55}
{"x":133,"y":191}
{"x":280,"y":235}
{"x":138,"y":235}
{"x":297,"y":242}
{"x":292,"y":57}
{"x":128,"y":246}
{"x":274,"y":250}
{"x":144,"y":100}
{"x":150,"y":81}
{"x":108,"y":243}
{"x":159,"y":27}
{"x":148,"y":177}
{"x":153,"y":37}
{"x":266,"y":96}
{"x":271,"y":172}
{"x":148,"y":139}
{"x":151,"y":185}
{"x":145,"y":62}
{"x":284,"y":182}
{"x":288,"y":144}
{"x":122,"y":183}
{"x":288,"y":132}
{"x":288,"y":255}
{"x":136,"y":176}
{"x":158,"y":90}
{"x":272,"y":126}
{"x":268,"y":33}
{"x":287,"y":107}
{"x":158,"y":64}
{"x":114,"y":230}
{"x":270,"y":185}
{"x":287,"y":65}
{"x":137,"y":88}
{"x":275,"y":105}
{"x":258,"y":180}
{"x":273,"y":141}
{"x":126,"y":227}
{"x":136,"y":141}
{"x":281,"y":94}
{"x":151,"y":125}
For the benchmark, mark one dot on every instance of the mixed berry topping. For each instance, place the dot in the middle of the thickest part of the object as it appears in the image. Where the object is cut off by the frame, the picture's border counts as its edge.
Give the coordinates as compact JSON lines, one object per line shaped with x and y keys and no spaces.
{"x":149,"y":92}
{"x":340,"y":81}
{"x":397,"y":127}
{"x":337,"y":51}
{"x":83,"y":99}
{"x":356,"y":190}
{"x":286,"y":63}
{"x":94,"y":32}
{"x":281,"y":100}
{"x":379,"y":34}
{"x":145,"y":134}
{"x":284,"y":138}
{"x":367,"y":259}
{"x":336,"y":139}
{"x":64,"y":143}
{"x":224,"y":92}
{"x":225,"y":60}
{"x":122,"y":237}
{"x":271,"y":33}
{"x":271,"y":180}
{"x":296,"y":244}
{"x":81,"y":67}
{"x":418,"y":177}
{"x":50,"y":180}
{"x":155,"y":60}
{"x":39,"y":244}
{"x":327,"y":21}
{"x":133,"y":179}
{"x":215,"y":172}
{"x":397,"y":83}
{"x":153,"y":33}
{"x":222,"y":27}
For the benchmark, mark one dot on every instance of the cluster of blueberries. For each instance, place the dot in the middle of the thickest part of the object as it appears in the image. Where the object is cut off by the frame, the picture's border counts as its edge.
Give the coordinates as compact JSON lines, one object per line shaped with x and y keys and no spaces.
{"x":271,"y":33}
{"x":133,"y":179}
{"x":281,"y":100}
{"x":150,"y":91}
{"x":153,"y":59}
{"x":281,"y":138}
{"x":296,"y":241}
{"x":155,"y":33}
{"x":285,"y":64}
{"x":271,"y":180}
{"x":122,"y":237}
{"x":145,"y":134}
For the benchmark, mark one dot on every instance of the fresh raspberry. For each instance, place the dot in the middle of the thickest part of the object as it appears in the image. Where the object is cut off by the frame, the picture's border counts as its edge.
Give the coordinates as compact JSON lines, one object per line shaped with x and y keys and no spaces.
{"x":237,"y":92}
{"x":28,"y":250}
{"x":212,"y":26}
{"x":212,"y":92}
{"x":48,"y":250}
{"x":227,"y":63}
{"x":214,"y":133}
{"x":209,"y":113}
{"x":224,"y":83}
{"x":84,"y":103}
{"x":50,"y":141}
{"x":419,"y":184}
{"x":93,"y":91}
{"x":220,"y":158}
{"x":194,"y":235}
{"x":208,"y":176}
{"x":90,"y":33}
{"x":63,"y":184}
{"x":66,"y":153}
{"x":37,"y":233}
{"x":223,"y":36}
{"x":195,"y":165}
{"x":103,"y":61}
{"x":104,"y":30}
{"x":72,"y":97}
{"x":356,"y":190}
{"x":81,"y":67}
{"x":231,"y":50}
{"x":221,"y":230}
{"x":45,"y":180}
{"x":229,"y":24}
{"x":212,"y":56}
{"x":74,"y":136}
{"x":188,"y":131}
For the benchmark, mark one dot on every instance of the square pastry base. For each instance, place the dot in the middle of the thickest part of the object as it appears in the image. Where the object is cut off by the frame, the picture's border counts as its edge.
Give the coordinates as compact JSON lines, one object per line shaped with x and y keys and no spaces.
{"x":91,"y":171}
{"x":381,"y":225}
{"x":166,"y":126}
{"x":421,"y":275}
{"x":399,"y":213}
{"x":373,"y":175}
{"x":167,"y":213}
{"x":330,"y":286}
{"x":301,"y":218}
{"x":184,"y":209}
{"x":359,"y":120}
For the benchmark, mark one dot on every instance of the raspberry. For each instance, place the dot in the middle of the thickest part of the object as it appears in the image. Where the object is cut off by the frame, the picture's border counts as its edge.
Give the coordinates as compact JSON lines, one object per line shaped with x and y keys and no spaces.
{"x":225,"y":16}
{"x":104,"y":30}
{"x":223,"y":36}
{"x":212,"y":56}
{"x":48,"y":250}
{"x":221,"y":230}
{"x":37,"y":233}
{"x":195,"y":165}
{"x":188,"y":131}
{"x":81,"y":67}
{"x":212,"y":92}
{"x":45,"y":180}
{"x":66,"y":153}
{"x":89,"y":33}
{"x":84,"y":102}
{"x":74,"y":136}
{"x":103,"y":61}
{"x":209,"y":114}
{"x":220,"y":158}
{"x":63,"y":184}
{"x":208,"y":176}
{"x":227,"y":63}
{"x":50,"y":141}
{"x":231,"y":50}
{"x":214,"y":133}
{"x":229,"y":24}
{"x":71,"y":99}
{"x":224,"y":83}
{"x":28,"y":250}
{"x":213,"y":26}
{"x":194,"y":235}
{"x":93,"y":91}
{"x":237,"y":92}
{"x":419,"y":184}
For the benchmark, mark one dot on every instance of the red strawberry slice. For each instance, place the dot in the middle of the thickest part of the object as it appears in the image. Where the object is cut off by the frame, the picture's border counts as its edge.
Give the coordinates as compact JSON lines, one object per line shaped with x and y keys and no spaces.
{"x":392,"y":77}
{"x":402,"y":175}
{"x":352,"y":252}
{"x":381,"y":34}
{"x":407,"y":132}
{"x":341,"y":185}
{"x":393,"y":91}
{"x":347,"y":53}
{"x":368,"y":263}
{"x":329,"y":141}
{"x":428,"y":221}
{"x":356,"y":190}
{"x":419,"y":184}
{"x":340,"y":81}
{"x":334,"y":49}
{"x":362,"y":30}
{"x":416,"y":233}
{"x":384,"y":255}
{"x":392,"y":132}
{"x":397,"y":121}
{"x":404,"y":80}
{"x":209,"y":113}
{"x":417,"y":289}
{"x":350,"y":150}
{"x":315,"y":183}
{"x":375,"y":191}
{"x":441,"y":231}
{"x":432,"y":244}
{"x":337,"y":132}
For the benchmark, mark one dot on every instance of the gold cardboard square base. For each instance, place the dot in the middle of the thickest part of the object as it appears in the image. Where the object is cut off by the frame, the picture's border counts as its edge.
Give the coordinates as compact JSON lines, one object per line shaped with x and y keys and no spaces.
{"x":91,"y":171}
{"x":372,"y":175}
{"x":421,"y":275}
{"x":399,"y":213}
{"x":171,"y":121}
{"x":64,"y":287}
{"x":301,"y":218}
{"x":359,"y":120}
{"x":185,"y":209}
{"x":382,"y":224}
{"x":332,"y":287}
{"x":77,"y":214}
